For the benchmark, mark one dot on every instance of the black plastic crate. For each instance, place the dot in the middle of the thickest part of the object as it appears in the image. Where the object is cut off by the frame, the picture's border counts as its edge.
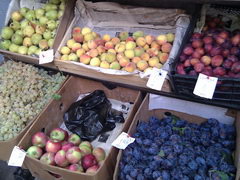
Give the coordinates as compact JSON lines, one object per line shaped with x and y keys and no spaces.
{"x":227,"y":89}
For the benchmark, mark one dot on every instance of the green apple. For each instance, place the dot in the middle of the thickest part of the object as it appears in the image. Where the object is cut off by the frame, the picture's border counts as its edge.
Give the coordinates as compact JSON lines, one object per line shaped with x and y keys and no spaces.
{"x":19,"y":32}
{"x":24,"y":23}
{"x":52,"y":14}
{"x":13,"y":48}
{"x":7,"y":33}
{"x":49,"y":7}
{"x":22,"y":50}
{"x":50,"y":43}
{"x":15,"y":25}
{"x":51,"y":25}
{"x":23,"y":11}
{"x":32,"y":50}
{"x":16,"y":16}
{"x":36,"y":38}
{"x":4,"y":44}
{"x":39,"y":13}
{"x":62,"y":6}
{"x":55,"y":2}
{"x":38,"y":51}
{"x":43,"y":20}
{"x":30,"y":15}
{"x":47,"y":35}
{"x":60,"y":14}
{"x":17,"y":39}
{"x":28,"y":31}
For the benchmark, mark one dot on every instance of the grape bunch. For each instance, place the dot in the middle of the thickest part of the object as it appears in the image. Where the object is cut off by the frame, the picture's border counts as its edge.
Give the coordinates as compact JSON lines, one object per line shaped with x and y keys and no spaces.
{"x":174,"y":149}
{"x":24,"y":91}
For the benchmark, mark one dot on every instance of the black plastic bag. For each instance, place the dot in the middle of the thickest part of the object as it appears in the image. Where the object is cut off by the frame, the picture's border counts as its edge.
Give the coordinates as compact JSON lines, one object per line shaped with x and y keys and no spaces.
{"x":92,"y":116}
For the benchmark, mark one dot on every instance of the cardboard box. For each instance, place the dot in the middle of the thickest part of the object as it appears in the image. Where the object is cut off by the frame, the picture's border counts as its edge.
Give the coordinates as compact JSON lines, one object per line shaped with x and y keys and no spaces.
{"x":53,"y":117}
{"x":64,"y":23}
{"x":110,"y":19}
{"x":143,"y":114}
{"x":7,"y":146}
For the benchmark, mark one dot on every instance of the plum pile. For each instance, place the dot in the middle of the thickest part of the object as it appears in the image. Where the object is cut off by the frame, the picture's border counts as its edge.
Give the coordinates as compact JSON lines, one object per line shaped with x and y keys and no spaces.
{"x":175,"y":149}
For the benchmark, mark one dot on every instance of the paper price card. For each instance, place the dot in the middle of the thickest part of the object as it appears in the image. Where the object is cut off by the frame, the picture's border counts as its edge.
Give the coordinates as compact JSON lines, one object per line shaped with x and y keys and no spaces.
{"x":122,"y":141}
{"x":157,"y":79}
{"x":205,"y":86}
{"x":17,"y":157}
{"x":46,"y":56}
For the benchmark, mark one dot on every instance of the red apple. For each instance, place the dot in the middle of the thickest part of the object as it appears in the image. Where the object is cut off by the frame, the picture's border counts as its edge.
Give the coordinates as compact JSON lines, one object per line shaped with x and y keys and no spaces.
{"x":48,"y":158}
{"x":187,"y":63}
{"x":76,"y":167}
{"x":225,"y":53}
{"x":67,"y":146}
{"x":188,"y":50}
{"x":197,"y":43}
{"x":74,"y":155}
{"x":235,"y":51}
{"x":34,"y":152}
{"x":75,"y":139}
{"x":200,"y":51}
{"x":197,"y":35}
{"x":219,"y":71}
{"x":196,"y":55}
{"x":216,"y":51}
{"x":206,"y":60}
{"x":208,"y":47}
{"x":207,"y":71}
{"x":58,"y":134}
{"x":180,"y":69}
{"x":219,"y":40}
{"x":198,"y":67}
{"x":207,"y":40}
{"x":60,"y":159}
{"x":227,"y":64}
{"x":194,"y":61}
{"x":232,"y":58}
{"x":93,"y":169}
{"x":99,"y":153}
{"x":52,"y":146}
{"x":236,"y":67}
{"x":217,"y":61}
{"x":224,"y":34}
{"x":88,"y":161}
{"x":235,"y":40}
{"x":39,"y":139}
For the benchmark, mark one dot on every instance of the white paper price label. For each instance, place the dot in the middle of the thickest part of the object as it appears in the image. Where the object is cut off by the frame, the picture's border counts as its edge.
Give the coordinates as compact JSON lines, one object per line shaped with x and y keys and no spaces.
{"x":17,"y":157}
{"x":205,"y":86}
{"x":46,"y":56}
{"x":122,"y":141}
{"x":157,"y":79}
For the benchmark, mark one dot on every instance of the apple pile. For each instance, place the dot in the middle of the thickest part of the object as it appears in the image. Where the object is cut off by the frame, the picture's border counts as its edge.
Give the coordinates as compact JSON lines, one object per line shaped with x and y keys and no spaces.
{"x":124,"y":52}
{"x":32,"y":31}
{"x":214,"y":52}
{"x":66,"y":151}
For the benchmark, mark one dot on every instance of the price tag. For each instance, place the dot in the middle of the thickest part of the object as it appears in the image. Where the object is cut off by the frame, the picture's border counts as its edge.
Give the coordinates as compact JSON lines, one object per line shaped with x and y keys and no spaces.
{"x":157,"y":79}
{"x":122,"y":141}
{"x":205,"y":86}
{"x":46,"y":56}
{"x":17,"y":157}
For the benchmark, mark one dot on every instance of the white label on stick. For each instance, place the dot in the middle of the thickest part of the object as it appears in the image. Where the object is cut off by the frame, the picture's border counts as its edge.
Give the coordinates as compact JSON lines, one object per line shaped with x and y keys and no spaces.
{"x":17,"y":157}
{"x":46,"y":56}
{"x":157,"y":79}
{"x":205,"y":86}
{"x":122,"y":141}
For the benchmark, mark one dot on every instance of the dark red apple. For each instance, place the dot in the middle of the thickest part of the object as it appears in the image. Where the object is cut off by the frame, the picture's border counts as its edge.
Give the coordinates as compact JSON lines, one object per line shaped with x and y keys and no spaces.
{"x":217,"y":61}
{"x":236,"y":67}
{"x":235,"y":40}
{"x":225,"y":53}
{"x":196,"y":55}
{"x":88,"y":161}
{"x":219,"y":71}
{"x":188,"y":50}
{"x":224,"y":34}
{"x":197,"y":35}
{"x":227,"y":64}
{"x":219,"y":40}
{"x":200,"y":51}
{"x":197,"y":43}
{"x":208,"y":47}
{"x":207,"y":40}
{"x":180,"y":69}
{"x":198,"y":67}
{"x":232,"y":58}
{"x":216,"y":51}
{"x":235,"y":51}
{"x":207,"y":71}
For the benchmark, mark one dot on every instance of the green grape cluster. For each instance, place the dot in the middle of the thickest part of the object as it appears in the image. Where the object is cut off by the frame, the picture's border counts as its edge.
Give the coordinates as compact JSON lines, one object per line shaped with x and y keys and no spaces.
{"x":24,"y":92}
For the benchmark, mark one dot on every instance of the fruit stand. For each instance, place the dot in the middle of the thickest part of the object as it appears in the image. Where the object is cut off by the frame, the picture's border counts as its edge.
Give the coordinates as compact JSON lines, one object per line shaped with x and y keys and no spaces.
{"x":121,"y":90}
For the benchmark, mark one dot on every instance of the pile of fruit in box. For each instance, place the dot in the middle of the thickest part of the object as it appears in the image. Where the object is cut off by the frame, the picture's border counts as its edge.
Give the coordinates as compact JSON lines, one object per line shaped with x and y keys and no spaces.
{"x":24,"y":91}
{"x":214,"y":52}
{"x":32,"y":31}
{"x":124,"y":52}
{"x":66,"y":151}
{"x":173,"y":148}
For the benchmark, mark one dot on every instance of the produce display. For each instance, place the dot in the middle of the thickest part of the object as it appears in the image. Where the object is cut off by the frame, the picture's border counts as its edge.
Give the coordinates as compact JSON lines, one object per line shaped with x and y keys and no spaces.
{"x":173,"y":148}
{"x":66,"y":151}
{"x":32,"y":31}
{"x":24,"y":91}
{"x":128,"y":53}
{"x":214,"y":52}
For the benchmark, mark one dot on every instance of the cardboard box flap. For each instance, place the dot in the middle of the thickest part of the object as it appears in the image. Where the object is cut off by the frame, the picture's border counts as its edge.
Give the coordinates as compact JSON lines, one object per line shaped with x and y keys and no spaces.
{"x":104,"y":14}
